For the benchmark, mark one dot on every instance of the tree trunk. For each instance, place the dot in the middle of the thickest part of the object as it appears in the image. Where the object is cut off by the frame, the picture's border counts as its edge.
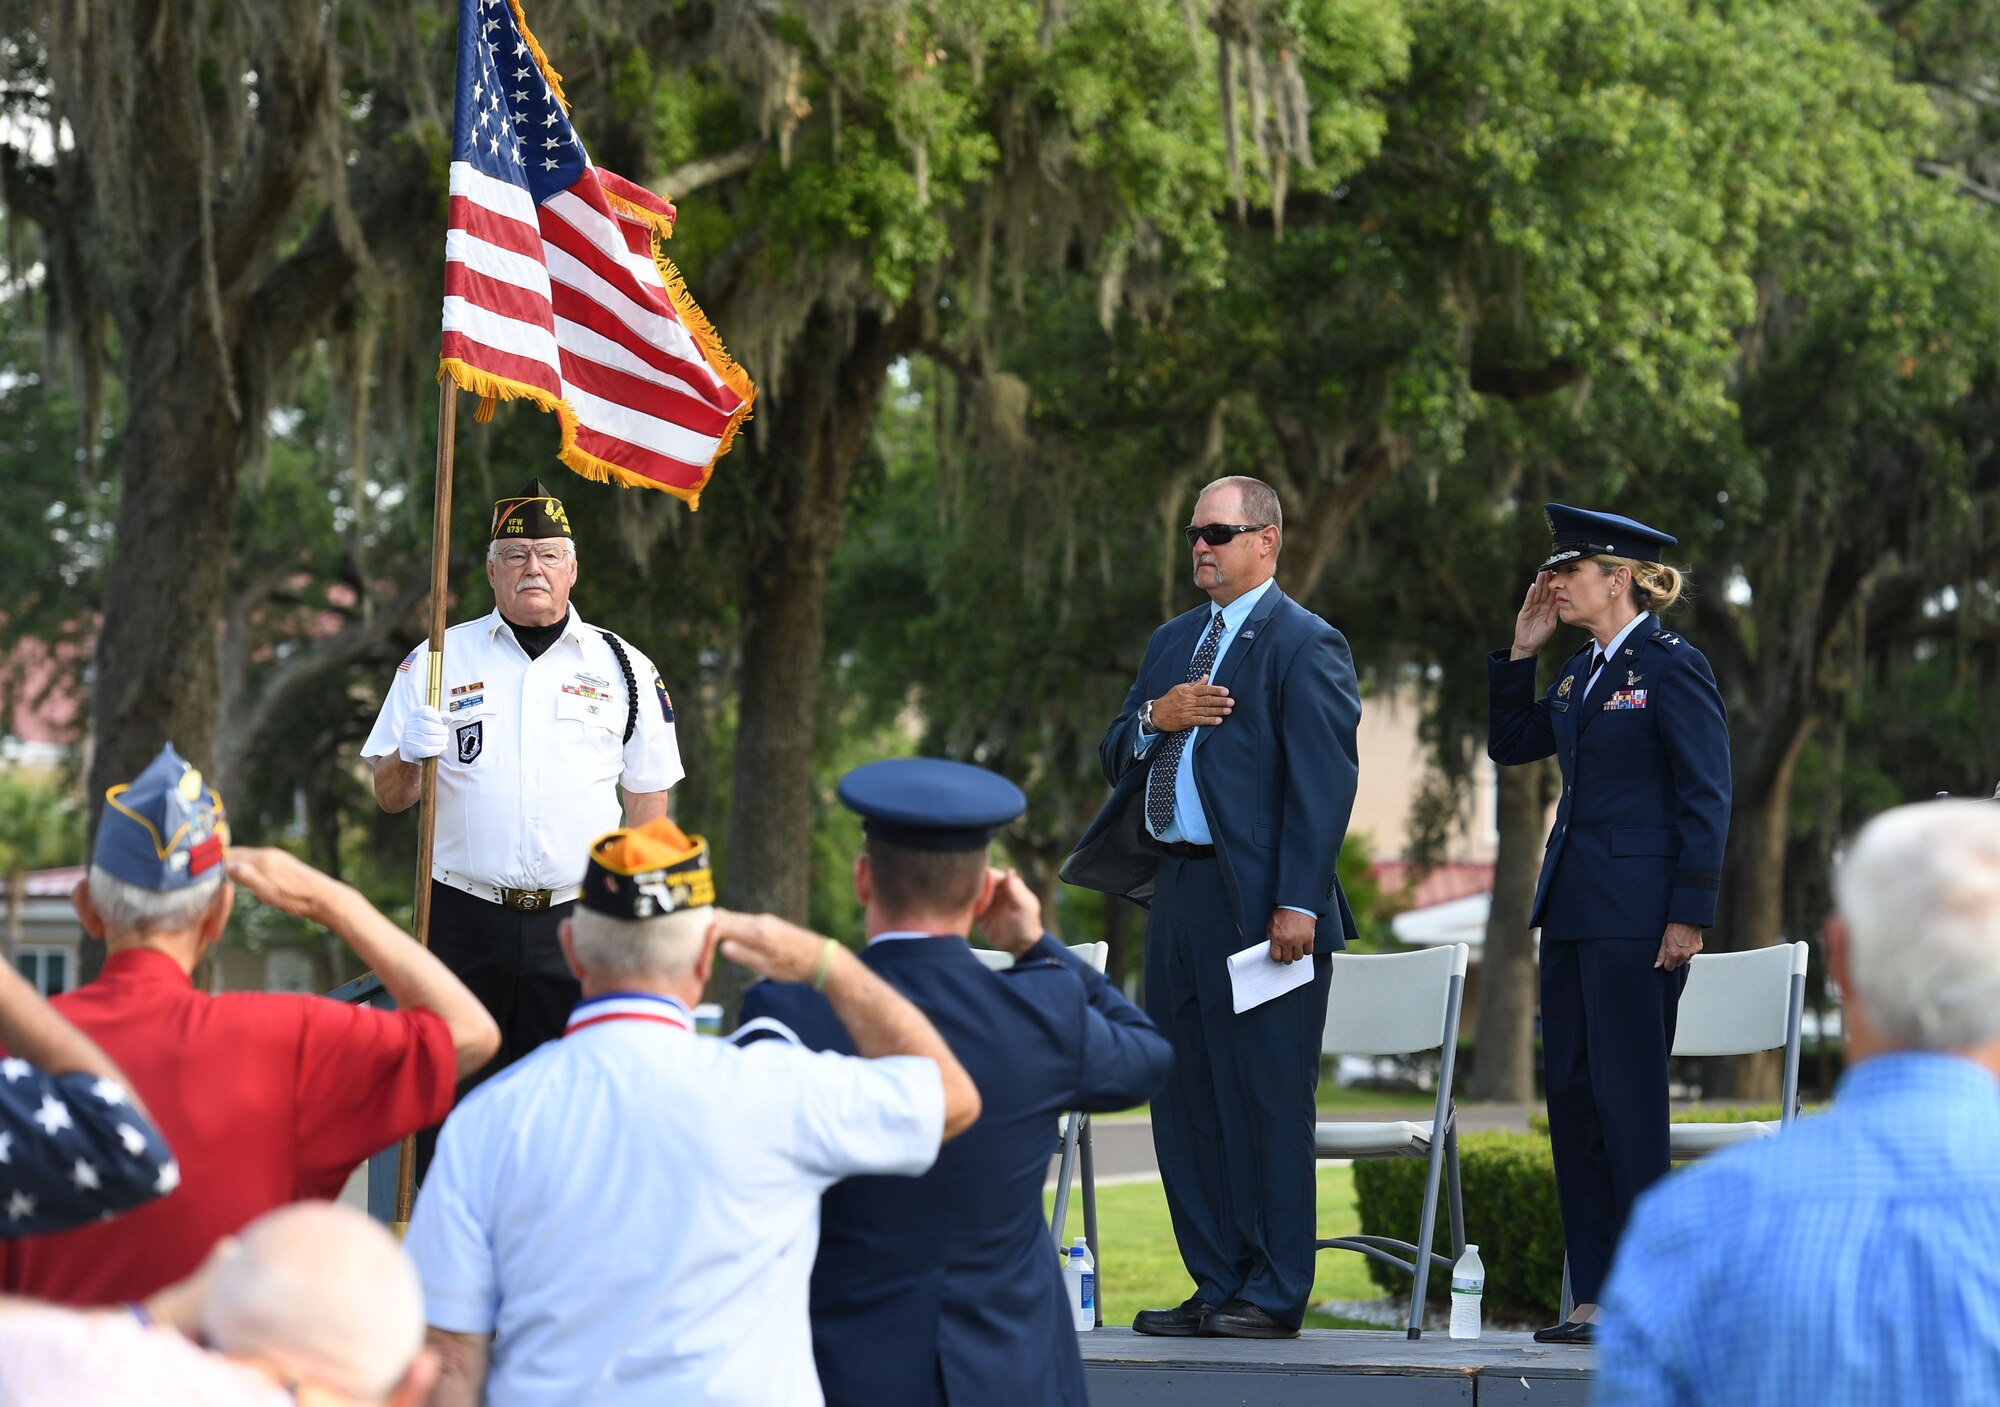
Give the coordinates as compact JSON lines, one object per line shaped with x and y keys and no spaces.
{"x":801,"y":470}
{"x":158,"y":666}
{"x":1750,"y":909}
{"x":1504,"y":1068}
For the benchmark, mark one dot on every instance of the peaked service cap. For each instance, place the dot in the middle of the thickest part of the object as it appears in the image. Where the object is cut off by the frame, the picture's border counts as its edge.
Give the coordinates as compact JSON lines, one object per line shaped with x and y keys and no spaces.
{"x":927,"y":803}
{"x":1576,"y":533}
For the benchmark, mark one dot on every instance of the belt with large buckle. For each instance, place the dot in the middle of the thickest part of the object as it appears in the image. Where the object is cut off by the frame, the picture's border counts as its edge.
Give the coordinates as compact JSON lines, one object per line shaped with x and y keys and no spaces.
{"x":526,"y":900}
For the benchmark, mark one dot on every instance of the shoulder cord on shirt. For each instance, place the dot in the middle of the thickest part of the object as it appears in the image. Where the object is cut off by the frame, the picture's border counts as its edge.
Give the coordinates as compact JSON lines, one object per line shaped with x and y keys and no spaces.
{"x":631,"y":683}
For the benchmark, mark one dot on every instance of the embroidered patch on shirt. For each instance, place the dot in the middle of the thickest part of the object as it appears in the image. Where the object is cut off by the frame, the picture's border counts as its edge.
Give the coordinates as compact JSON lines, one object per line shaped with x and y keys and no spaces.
{"x":666,"y":704}
{"x":474,"y":701}
{"x":1626,"y":698}
{"x":408,"y":660}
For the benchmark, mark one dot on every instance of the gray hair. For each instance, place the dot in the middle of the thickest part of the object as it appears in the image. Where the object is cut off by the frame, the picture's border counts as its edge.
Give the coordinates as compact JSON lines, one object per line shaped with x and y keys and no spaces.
{"x":1260,"y":500}
{"x":135,"y":909}
{"x":1920,"y":892}
{"x":323,"y":1291}
{"x":664,"y":946}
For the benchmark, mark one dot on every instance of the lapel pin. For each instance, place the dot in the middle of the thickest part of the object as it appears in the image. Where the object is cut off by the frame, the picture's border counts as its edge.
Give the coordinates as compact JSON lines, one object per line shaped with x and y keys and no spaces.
{"x":1631,"y":678}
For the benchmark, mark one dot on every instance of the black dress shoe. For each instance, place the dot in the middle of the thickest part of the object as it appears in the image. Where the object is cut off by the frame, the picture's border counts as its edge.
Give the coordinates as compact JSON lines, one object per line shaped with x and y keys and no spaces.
{"x":1240,"y":1319}
{"x":1571,"y":1332}
{"x":1183,"y":1321}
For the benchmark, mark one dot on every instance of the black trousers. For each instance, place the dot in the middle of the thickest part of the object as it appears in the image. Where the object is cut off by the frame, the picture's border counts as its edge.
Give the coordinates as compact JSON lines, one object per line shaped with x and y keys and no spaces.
{"x":514,"y":965}
{"x":1607,"y":1027}
{"x":1233,"y":1127}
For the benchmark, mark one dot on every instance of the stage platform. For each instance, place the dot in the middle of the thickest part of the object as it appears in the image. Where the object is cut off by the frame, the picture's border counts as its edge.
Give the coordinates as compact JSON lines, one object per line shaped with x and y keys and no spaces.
{"x":1332,"y":1368}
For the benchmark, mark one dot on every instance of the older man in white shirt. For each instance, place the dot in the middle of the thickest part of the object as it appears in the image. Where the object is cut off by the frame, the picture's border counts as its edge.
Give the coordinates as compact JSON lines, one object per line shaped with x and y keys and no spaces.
{"x":630,"y":1215}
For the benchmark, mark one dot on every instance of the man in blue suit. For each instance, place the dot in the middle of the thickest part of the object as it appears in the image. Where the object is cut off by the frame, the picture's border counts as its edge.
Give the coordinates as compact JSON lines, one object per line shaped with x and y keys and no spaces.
{"x":1233,"y":769}
{"x":945,"y":1288}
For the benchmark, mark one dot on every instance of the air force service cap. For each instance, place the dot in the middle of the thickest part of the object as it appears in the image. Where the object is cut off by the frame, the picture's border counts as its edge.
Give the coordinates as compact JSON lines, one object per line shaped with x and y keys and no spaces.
{"x":647,"y":871}
{"x":1577,"y":533}
{"x":164,"y":830}
{"x":927,"y":803}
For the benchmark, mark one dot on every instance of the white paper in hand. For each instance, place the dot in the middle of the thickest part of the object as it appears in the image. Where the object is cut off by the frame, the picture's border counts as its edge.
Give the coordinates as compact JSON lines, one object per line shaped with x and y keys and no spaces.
{"x":1254,"y":979}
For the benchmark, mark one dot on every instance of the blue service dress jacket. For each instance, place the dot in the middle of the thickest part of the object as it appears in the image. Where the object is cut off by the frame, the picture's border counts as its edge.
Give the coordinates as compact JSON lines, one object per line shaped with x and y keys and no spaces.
{"x":945,"y":1288}
{"x":1638,"y":836}
{"x":1276,"y":778}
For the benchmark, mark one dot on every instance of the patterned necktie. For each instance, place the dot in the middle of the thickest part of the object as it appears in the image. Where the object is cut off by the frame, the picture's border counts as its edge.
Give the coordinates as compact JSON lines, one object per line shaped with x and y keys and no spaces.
{"x":1167,"y":759}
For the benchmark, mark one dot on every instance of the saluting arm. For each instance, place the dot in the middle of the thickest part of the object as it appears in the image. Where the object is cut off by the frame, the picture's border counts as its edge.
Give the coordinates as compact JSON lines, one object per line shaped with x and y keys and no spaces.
{"x":410,"y":972}
{"x":881,"y":1020}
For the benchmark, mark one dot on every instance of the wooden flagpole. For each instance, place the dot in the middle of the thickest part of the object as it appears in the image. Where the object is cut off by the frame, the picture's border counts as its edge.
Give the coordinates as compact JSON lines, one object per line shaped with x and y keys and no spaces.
{"x":406,"y":1155}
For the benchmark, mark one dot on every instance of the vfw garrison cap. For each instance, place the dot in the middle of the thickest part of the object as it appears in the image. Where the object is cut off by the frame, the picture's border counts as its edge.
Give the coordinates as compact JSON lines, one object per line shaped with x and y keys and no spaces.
{"x":1576,"y":533}
{"x":533,"y":512}
{"x":927,"y":803}
{"x":647,"y":871}
{"x":163,"y":830}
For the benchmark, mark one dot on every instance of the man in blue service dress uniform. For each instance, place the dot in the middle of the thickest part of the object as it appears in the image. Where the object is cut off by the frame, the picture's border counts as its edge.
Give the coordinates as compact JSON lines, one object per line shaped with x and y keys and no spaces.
{"x":1633,"y":864}
{"x":1233,"y":767}
{"x":945,"y":1288}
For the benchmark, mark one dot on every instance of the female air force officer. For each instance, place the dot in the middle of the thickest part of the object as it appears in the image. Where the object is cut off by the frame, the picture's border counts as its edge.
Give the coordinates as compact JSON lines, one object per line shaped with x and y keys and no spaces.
{"x":1629,"y":879}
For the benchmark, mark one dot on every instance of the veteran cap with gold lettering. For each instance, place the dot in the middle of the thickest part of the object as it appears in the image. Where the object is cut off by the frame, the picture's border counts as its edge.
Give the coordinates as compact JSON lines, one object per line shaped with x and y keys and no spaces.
{"x":647,"y":871}
{"x":533,"y":512}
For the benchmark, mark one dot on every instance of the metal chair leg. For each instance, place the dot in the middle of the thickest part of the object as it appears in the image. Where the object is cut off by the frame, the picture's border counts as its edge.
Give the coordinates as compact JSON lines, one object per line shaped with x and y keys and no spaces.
{"x":1065,"y":1179}
{"x":1090,"y":1214}
{"x":1453,"y":1198}
{"x":1427,"y":1233}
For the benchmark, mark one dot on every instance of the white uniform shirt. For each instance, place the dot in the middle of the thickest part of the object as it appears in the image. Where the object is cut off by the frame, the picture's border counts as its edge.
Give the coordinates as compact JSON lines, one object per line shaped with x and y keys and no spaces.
{"x":633,"y":1210}
{"x":52,"y":1357}
{"x":535,"y":750}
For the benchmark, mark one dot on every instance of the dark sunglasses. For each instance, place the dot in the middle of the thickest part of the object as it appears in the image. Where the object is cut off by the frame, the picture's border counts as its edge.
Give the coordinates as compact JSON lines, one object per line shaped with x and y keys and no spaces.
{"x":1215,"y":534}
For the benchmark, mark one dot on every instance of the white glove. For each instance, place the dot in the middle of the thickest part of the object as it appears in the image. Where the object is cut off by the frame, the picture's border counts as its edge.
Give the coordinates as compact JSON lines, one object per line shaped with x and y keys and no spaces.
{"x":423,"y":735}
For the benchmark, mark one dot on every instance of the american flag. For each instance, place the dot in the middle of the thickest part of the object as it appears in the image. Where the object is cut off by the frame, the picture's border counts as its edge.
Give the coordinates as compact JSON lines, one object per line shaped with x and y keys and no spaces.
{"x":553,"y":290}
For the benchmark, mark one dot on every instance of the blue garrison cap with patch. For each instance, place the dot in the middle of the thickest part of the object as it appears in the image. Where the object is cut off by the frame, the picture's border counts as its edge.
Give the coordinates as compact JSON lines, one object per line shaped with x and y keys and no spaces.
{"x":163,"y":830}
{"x":1577,"y":533}
{"x":926,"y":803}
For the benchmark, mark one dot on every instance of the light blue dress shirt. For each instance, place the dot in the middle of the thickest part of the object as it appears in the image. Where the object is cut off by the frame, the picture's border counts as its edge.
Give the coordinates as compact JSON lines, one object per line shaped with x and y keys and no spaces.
{"x":1190,"y":821}
{"x":1854,"y":1259}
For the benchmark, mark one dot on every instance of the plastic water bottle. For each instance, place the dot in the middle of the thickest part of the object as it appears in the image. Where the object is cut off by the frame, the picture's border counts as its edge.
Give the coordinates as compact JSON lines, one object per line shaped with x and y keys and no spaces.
{"x":1468,"y":1283}
{"x":1080,"y":1285}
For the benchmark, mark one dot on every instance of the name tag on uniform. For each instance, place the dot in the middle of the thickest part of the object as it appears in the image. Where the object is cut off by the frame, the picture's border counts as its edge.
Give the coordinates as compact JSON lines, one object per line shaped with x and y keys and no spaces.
{"x":1625,"y":698}
{"x":471,"y":701}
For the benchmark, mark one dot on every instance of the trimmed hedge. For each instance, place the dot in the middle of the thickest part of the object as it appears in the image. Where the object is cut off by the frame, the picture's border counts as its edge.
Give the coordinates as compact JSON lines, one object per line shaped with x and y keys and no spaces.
{"x":1508,"y":1181}
{"x":1509,"y":1186}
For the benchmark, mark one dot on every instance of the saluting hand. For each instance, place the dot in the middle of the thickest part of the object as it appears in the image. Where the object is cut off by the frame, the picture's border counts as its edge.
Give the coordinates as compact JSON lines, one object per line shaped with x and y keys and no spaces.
{"x":1196,"y":704}
{"x":1682,"y":941}
{"x":1012,"y":918}
{"x":278,"y":878}
{"x":1537,"y":620}
{"x":768,"y":945}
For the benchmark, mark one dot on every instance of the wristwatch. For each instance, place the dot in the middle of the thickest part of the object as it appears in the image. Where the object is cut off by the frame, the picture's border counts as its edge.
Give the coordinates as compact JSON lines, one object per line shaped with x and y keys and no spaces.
{"x":1146,"y":717}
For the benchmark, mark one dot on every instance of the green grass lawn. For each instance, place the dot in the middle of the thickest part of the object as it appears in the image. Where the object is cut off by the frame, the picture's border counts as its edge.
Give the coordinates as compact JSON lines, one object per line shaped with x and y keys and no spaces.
{"x":1142,"y":1270}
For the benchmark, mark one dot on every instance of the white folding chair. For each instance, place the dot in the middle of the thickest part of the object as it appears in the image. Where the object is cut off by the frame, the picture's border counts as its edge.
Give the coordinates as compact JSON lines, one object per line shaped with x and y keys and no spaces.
{"x":1075,"y":1128}
{"x":1734,"y":1004}
{"x":1399,"y":1004}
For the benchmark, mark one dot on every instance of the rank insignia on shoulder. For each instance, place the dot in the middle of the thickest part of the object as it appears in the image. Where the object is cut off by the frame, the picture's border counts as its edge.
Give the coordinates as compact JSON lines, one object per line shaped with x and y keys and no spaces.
{"x":1666,"y":637}
{"x":1562,"y":689}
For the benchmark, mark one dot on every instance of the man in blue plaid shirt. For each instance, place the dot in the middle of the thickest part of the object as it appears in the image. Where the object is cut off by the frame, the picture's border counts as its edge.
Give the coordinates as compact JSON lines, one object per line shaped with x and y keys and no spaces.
{"x":1855,"y":1259}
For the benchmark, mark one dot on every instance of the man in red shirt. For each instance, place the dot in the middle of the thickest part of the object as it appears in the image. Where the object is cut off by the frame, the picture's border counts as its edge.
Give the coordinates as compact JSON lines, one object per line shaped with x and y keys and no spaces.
{"x":265,"y":1098}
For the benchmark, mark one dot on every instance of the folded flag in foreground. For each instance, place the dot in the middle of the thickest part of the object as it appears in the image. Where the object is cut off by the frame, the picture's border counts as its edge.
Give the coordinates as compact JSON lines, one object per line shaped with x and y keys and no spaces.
{"x":553,"y":289}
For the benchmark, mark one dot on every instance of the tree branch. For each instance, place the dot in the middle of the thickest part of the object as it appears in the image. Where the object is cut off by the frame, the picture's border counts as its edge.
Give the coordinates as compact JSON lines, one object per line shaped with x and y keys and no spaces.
{"x":1966,"y":185}
{"x":691,"y":176}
